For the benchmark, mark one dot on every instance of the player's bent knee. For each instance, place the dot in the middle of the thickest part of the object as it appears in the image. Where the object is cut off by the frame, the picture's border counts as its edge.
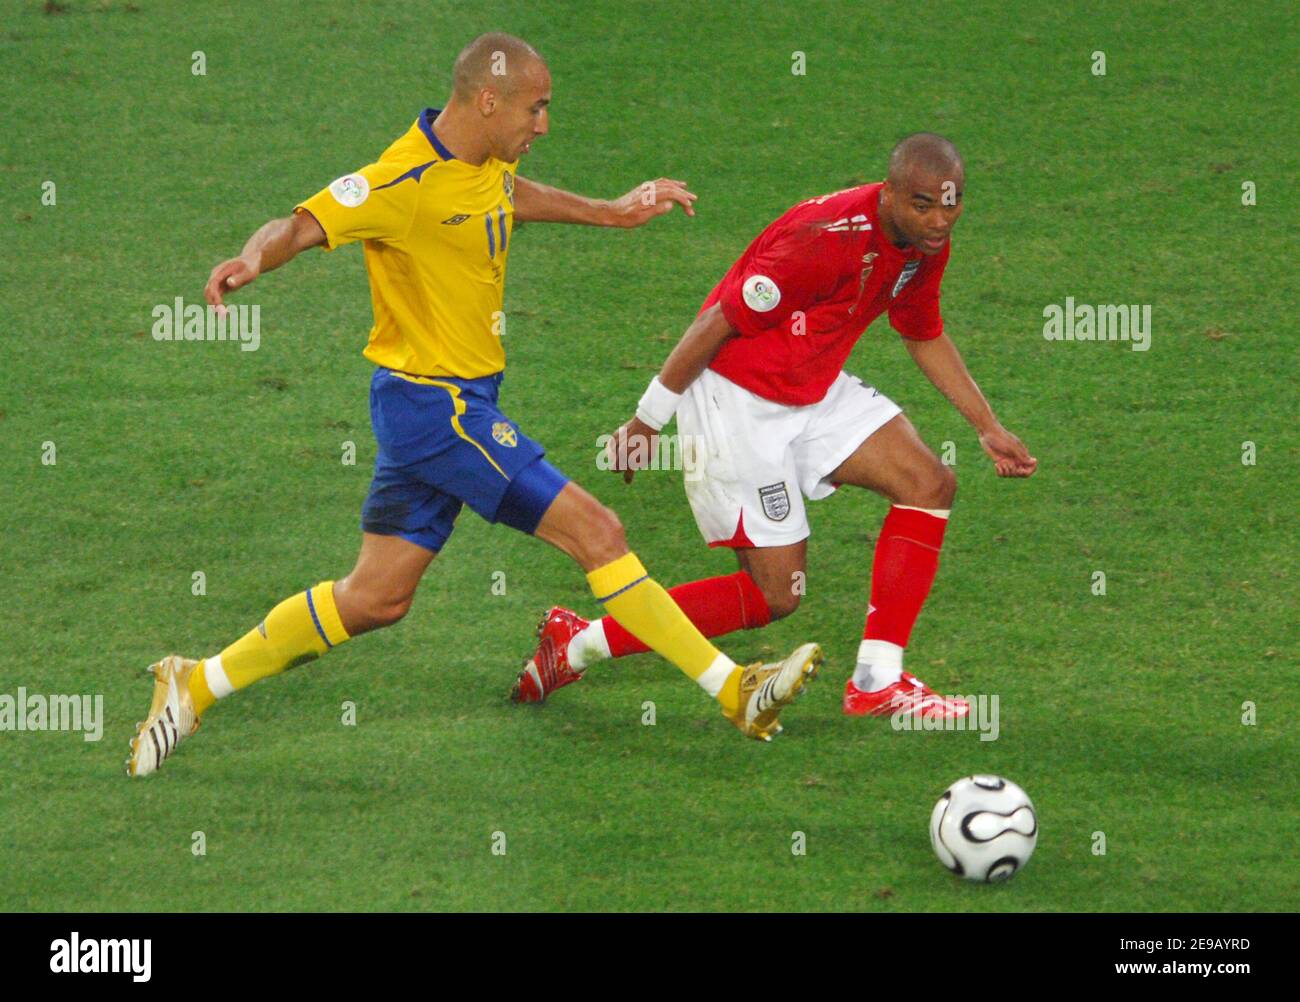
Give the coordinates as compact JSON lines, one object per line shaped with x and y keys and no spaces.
{"x":605,"y":541}
{"x":390,"y":612}
{"x":362,"y":611}
{"x":936,"y":487}
{"x":781,"y":602}
{"x":945,"y":487}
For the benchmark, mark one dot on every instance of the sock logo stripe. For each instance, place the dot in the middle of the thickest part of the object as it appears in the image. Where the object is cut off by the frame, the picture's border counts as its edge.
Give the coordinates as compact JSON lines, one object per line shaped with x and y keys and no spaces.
{"x":311,"y":607}
{"x":627,"y":587}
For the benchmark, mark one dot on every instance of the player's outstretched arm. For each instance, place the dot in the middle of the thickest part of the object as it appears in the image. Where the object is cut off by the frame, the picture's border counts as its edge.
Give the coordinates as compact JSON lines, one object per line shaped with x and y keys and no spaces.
{"x":687,"y":360}
{"x":278,"y":241}
{"x":540,"y":203}
{"x":942,"y":364}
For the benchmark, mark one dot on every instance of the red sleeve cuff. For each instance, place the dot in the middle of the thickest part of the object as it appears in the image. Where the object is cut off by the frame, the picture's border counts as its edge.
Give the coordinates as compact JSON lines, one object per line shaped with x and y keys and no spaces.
{"x":735,"y":312}
{"x":929,"y":335}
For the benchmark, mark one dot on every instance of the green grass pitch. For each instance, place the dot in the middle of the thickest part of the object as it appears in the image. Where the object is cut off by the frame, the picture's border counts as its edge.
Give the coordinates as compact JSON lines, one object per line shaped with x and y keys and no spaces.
{"x":1120,"y":713}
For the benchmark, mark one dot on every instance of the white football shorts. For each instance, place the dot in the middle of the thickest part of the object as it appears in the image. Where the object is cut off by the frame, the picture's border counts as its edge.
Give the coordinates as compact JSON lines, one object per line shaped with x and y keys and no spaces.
{"x":749,"y":462}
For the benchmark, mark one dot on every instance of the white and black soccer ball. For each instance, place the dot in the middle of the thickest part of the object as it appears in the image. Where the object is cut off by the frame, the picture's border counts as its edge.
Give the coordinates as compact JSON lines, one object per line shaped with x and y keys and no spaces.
{"x":984,"y":828}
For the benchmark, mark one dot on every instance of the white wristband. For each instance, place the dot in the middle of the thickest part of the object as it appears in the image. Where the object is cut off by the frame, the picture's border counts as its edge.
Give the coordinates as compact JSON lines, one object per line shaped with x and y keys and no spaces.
{"x":658,"y":404}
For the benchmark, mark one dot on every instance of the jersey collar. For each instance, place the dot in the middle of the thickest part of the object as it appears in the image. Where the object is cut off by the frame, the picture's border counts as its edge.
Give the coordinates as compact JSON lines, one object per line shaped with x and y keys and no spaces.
{"x":426,"y":126}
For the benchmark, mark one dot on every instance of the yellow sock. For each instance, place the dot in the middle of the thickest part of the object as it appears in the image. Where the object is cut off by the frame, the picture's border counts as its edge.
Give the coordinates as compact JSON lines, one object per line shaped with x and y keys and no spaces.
{"x":640,"y":605}
{"x":298,"y":630}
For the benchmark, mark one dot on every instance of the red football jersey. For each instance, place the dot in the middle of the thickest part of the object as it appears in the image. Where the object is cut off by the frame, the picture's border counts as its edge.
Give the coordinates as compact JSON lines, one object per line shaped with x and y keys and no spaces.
{"x":804,"y":291}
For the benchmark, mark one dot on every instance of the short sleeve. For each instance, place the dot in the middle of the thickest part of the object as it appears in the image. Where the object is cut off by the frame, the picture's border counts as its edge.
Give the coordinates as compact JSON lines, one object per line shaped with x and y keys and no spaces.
{"x":375,"y":203}
{"x":915,"y":314}
{"x":768,"y":286}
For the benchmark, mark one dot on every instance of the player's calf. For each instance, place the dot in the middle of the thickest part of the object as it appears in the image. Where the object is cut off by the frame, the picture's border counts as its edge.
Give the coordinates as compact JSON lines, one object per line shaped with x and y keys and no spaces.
{"x":381,"y":586}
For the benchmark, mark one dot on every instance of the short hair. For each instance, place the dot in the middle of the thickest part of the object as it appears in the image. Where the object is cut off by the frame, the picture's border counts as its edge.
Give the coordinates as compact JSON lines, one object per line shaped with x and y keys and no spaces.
{"x":928,"y":152}
{"x":492,"y":60}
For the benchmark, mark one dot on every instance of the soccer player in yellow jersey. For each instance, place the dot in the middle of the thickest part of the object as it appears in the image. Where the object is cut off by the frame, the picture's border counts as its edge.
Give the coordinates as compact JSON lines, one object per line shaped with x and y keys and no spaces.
{"x":435,"y":214}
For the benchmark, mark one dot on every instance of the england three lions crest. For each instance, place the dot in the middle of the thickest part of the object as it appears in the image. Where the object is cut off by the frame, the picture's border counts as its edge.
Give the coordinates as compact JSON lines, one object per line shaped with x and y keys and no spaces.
{"x":776,"y":501}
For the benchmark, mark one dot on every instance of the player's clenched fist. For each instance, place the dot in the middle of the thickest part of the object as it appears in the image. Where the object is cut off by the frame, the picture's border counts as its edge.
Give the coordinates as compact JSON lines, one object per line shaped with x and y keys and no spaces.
{"x":650,"y":199}
{"x":630,"y":448}
{"x":227,"y":277}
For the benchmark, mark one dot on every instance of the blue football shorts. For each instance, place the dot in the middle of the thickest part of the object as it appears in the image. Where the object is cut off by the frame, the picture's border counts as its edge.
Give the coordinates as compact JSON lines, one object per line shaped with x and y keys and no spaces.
{"x":444,"y":443}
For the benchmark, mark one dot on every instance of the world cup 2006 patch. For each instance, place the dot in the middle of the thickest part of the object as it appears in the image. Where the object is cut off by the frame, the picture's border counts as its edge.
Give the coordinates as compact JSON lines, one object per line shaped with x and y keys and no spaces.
{"x":776,"y":501}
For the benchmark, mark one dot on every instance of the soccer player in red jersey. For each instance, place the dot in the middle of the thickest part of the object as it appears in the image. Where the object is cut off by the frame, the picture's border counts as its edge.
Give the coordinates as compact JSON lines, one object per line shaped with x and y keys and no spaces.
{"x":767,"y":417}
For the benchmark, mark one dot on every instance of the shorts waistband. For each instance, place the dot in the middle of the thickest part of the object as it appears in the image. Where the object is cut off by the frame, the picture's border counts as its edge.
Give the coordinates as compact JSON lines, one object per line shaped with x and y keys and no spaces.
{"x":488,"y":383}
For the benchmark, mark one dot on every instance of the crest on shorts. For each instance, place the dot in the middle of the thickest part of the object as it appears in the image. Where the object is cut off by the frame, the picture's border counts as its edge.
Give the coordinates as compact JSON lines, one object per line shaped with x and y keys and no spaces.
{"x":776,"y":501}
{"x":504,"y":435}
{"x":905,"y":276}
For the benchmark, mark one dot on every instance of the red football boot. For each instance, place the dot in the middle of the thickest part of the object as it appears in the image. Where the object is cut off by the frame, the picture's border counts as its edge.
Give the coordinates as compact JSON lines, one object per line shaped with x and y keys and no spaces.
{"x":549,"y":669}
{"x":909,"y":696}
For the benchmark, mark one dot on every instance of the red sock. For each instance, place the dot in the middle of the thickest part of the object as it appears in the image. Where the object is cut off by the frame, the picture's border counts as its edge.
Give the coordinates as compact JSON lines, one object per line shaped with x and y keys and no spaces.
{"x":907,"y":557}
{"x":715,"y":605}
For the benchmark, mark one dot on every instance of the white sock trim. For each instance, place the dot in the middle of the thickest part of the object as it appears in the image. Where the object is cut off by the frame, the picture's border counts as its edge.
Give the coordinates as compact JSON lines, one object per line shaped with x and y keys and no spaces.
{"x":716,"y":675}
{"x":880,"y":663}
{"x":215,"y":675}
{"x":942,"y":513}
{"x":589,"y":645}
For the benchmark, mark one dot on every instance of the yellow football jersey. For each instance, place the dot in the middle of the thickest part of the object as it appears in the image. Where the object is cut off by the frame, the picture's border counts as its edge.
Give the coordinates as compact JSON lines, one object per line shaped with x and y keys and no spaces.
{"x":437,"y":232}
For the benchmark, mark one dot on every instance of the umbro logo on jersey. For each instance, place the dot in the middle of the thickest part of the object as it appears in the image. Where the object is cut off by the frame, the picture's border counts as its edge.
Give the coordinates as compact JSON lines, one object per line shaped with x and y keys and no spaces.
{"x":454,"y":220}
{"x":849,"y":224}
{"x":905,"y":276}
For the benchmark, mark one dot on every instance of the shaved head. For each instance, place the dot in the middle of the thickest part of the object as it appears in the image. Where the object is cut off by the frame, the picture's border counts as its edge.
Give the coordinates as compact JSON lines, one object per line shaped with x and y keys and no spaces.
{"x":500,"y":91}
{"x":922,"y":196}
{"x":495,"y":60}
{"x":926,"y":153}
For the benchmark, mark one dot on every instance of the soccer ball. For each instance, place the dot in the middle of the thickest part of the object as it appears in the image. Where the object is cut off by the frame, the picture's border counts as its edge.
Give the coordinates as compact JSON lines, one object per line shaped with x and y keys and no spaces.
{"x":984,"y":828}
